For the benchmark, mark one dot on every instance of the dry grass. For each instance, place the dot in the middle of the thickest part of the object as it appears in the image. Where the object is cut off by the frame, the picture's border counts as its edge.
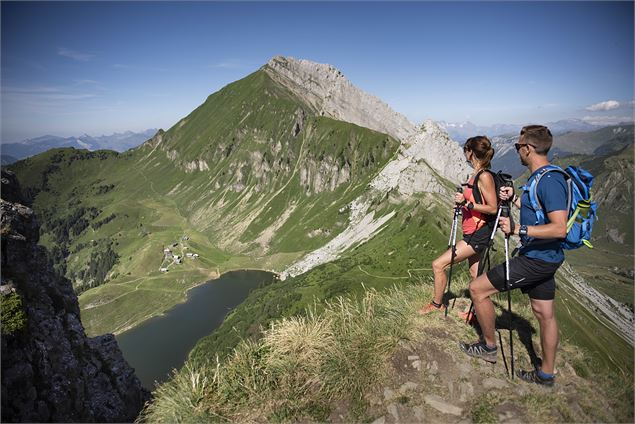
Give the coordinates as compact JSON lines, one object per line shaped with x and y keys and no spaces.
{"x":298,"y":367}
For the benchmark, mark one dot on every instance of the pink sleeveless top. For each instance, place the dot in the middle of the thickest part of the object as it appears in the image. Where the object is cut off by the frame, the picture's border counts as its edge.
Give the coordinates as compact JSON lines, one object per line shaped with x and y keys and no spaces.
{"x":472,"y":220}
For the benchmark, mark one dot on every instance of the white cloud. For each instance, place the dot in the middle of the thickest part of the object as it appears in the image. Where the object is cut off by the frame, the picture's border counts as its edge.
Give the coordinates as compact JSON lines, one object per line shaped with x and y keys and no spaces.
{"x":607,"y":120}
{"x":607,"y":105}
{"x":73,"y":54}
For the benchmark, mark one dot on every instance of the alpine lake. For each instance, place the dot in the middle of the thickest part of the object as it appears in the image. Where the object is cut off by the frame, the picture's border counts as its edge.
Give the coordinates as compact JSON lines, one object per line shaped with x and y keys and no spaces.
{"x":161,"y":344}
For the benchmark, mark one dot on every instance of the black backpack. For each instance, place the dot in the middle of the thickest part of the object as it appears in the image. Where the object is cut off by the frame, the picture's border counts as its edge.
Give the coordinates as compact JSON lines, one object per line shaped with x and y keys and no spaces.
{"x":500,"y":180}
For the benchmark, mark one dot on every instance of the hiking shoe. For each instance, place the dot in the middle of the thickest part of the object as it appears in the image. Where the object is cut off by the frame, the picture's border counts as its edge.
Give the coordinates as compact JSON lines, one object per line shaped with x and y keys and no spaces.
{"x":430,"y":308}
{"x":533,"y":377}
{"x":480,"y":350}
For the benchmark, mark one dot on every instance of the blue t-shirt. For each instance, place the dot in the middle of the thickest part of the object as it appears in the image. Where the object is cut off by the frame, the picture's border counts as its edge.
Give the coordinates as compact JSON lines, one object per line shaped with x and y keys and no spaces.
{"x":552,"y":195}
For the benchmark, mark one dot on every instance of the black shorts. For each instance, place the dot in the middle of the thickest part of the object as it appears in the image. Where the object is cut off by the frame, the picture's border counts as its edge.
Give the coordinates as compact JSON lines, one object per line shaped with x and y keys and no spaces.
{"x":479,"y":240}
{"x":532,"y":276}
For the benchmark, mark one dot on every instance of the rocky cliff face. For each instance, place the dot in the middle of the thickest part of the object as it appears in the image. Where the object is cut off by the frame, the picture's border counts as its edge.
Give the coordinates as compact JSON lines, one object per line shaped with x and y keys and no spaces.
{"x":50,"y":370}
{"x":331,"y":94}
{"x":328,"y":91}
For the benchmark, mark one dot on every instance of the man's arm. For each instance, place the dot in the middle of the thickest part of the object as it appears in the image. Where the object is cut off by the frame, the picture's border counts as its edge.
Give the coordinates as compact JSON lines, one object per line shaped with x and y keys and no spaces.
{"x":556,"y":228}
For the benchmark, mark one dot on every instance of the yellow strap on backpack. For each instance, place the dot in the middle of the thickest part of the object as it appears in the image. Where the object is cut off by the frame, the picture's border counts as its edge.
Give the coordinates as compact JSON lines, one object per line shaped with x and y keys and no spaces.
{"x":582,"y":206}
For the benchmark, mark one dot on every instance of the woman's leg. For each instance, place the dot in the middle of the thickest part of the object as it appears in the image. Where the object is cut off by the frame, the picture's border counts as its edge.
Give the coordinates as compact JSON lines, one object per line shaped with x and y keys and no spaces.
{"x":474,"y":262}
{"x":463,"y":251}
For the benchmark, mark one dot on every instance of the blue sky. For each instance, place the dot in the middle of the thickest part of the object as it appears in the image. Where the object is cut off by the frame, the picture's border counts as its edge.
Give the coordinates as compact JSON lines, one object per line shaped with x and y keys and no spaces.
{"x":73,"y":68}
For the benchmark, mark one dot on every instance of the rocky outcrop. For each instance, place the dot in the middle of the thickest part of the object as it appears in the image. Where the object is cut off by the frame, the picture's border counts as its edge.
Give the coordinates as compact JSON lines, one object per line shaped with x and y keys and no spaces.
{"x":433,"y":144}
{"x":412,"y":170}
{"x":317,"y":176}
{"x":50,"y":370}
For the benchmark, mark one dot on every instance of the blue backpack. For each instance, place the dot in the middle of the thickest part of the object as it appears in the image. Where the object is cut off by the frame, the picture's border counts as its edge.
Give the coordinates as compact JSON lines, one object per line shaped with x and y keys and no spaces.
{"x":582,"y":210}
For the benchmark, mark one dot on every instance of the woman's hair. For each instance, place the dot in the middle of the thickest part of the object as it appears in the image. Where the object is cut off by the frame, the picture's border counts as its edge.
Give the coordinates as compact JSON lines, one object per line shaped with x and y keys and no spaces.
{"x":482,"y":149}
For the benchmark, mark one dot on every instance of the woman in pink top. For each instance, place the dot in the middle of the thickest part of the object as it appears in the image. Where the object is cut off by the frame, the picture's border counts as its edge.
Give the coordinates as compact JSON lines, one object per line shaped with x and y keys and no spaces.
{"x":478,"y":218}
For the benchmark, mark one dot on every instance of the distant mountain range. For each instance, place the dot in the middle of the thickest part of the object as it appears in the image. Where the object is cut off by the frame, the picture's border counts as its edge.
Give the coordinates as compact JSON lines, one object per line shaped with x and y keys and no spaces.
{"x":463,"y":130}
{"x":601,"y":141}
{"x":119,"y":142}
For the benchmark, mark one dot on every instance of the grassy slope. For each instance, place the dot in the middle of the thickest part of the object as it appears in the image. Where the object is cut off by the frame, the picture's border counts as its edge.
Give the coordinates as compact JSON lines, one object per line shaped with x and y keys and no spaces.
{"x":406,"y":243}
{"x":595,"y":365}
{"x":401,"y":254}
{"x":156,"y":201}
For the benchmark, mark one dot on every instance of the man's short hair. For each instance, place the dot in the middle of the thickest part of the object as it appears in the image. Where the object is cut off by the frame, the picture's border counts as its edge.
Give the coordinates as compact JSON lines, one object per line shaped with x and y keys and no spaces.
{"x":537,"y":135}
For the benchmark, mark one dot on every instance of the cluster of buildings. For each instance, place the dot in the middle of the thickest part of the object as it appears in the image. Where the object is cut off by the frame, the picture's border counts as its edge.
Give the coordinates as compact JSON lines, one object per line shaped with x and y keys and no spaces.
{"x":177,"y":259}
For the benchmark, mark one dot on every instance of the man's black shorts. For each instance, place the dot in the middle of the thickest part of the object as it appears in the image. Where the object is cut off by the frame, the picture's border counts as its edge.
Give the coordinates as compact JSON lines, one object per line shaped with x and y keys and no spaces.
{"x":532,"y":276}
{"x":479,"y":239}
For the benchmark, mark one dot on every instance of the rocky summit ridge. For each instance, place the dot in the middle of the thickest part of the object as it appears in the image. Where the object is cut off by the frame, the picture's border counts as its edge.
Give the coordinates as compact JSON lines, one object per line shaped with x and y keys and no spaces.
{"x":331,"y":94}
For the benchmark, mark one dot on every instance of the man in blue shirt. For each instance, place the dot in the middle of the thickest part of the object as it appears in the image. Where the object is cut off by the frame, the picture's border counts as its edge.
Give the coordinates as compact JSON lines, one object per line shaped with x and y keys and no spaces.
{"x":539,"y":257}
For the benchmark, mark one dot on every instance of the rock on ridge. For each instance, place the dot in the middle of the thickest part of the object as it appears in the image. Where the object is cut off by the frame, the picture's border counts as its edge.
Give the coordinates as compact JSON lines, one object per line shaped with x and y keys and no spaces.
{"x":433,"y":144}
{"x":328,"y":91}
{"x":50,"y":370}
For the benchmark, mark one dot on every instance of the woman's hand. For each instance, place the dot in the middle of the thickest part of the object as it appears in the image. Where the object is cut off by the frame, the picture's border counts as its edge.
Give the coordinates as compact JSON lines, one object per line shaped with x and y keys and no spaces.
{"x":459,"y":198}
{"x":506,"y":193}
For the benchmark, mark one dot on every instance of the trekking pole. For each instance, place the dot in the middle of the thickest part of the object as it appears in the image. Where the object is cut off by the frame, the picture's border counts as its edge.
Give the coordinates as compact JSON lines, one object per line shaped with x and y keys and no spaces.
{"x":505,"y":213}
{"x":452,"y":245}
{"x":500,"y":342}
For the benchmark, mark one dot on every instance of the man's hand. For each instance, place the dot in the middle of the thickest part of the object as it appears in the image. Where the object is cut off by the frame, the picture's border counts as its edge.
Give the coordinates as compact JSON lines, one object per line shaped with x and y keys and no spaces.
{"x":506,"y":193}
{"x":459,"y":198}
{"x":504,"y":224}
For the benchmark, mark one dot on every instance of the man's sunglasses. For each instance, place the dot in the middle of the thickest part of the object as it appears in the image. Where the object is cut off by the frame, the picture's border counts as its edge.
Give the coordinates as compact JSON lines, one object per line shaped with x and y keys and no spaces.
{"x":519,"y":145}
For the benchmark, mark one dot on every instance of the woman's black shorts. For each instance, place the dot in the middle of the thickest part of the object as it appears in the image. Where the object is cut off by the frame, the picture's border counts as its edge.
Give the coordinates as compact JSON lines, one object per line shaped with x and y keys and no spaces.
{"x":479,"y":240}
{"x":532,"y":276}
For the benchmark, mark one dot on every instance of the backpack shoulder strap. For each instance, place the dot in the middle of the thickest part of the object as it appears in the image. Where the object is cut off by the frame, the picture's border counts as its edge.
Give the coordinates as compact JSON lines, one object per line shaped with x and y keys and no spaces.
{"x":533,"y":191}
{"x":476,"y":192}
